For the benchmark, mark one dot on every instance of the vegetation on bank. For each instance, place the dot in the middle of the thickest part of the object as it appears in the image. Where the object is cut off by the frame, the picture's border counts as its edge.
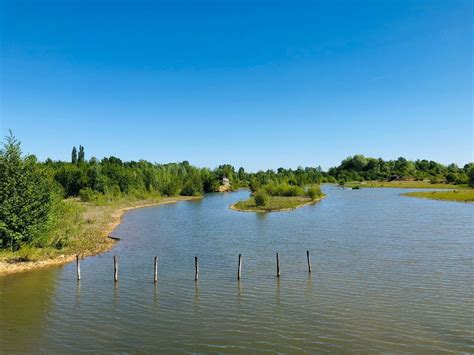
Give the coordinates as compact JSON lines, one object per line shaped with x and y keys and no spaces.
{"x":361,"y":168}
{"x":82,"y":229}
{"x":42,"y":204}
{"x":279,"y":197}
{"x":403,"y":185}
{"x":466,"y":195}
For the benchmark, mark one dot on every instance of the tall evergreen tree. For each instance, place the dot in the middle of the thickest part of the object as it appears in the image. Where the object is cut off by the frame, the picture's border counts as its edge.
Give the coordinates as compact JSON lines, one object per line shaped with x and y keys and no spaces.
{"x":74,"y":155}
{"x":80,"y":158}
{"x":26,"y":197}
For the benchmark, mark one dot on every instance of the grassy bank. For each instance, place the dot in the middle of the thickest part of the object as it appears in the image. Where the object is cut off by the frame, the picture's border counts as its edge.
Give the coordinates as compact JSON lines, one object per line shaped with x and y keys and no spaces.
{"x":83,"y":229}
{"x":456,"y":195}
{"x":274,"y":203}
{"x":405,"y":185}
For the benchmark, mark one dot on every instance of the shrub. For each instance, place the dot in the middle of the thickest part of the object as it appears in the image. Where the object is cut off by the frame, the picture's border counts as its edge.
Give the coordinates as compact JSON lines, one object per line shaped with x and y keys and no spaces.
{"x":87,"y":195}
{"x":261,"y":198}
{"x":284,"y":190}
{"x":313,"y":192}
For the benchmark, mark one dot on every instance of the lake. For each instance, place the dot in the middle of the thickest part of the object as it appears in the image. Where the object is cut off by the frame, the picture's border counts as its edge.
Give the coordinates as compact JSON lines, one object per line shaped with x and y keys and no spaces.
{"x":390,"y":273}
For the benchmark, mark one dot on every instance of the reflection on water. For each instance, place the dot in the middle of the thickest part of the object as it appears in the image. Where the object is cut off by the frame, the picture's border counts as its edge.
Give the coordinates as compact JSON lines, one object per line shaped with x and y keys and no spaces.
{"x":23,"y":308}
{"x":388,"y":274}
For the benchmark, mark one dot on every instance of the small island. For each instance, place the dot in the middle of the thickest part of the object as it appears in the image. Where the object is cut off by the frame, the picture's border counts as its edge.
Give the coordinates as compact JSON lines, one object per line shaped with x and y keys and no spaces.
{"x":279,"y":197}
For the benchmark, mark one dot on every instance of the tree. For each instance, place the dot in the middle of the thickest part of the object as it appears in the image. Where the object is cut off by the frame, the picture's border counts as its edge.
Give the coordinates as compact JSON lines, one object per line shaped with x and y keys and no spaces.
{"x":451,"y":177}
{"x":471,"y":177}
{"x":74,"y":155}
{"x":26,"y":197}
{"x":241,"y":174}
{"x":72,"y":179}
{"x":81,"y":156}
{"x":261,"y":198}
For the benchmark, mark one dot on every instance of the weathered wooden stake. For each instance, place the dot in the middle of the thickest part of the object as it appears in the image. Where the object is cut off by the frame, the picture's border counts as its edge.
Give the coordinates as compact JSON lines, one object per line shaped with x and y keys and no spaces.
{"x":239,"y":272}
{"x":155,"y":270}
{"x":78,"y":268}
{"x":115,"y":268}
{"x":309,"y":260}
{"x":278,"y":266}
{"x":196,"y":268}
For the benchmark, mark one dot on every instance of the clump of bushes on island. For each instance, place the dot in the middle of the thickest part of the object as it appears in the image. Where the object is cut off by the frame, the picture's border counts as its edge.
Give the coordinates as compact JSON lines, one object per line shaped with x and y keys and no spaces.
{"x":279,"y":196}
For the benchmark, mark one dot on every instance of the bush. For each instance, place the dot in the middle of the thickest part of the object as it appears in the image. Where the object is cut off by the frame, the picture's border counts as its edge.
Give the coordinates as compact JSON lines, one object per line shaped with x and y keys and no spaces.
{"x":261,"y":198}
{"x":284,"y":190}
{"x":87,"y":195}
{"x":313,"y":192}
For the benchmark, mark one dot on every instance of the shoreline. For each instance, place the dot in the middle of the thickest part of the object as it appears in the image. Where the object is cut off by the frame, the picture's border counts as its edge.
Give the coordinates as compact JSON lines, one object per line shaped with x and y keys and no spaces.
{"x":232,"y":207}
{"x":8,"y":268}
{"x":435,"y":196}
{"x":370,"y":184}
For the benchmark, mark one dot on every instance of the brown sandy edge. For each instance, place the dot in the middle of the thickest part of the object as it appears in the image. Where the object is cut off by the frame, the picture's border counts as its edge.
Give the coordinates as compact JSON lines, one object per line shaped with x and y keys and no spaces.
{"x":232,"y":207}
{"x":12,"y":268}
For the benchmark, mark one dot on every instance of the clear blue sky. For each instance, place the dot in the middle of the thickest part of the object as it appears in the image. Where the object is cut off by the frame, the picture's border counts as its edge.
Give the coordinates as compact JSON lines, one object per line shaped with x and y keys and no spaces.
{"x":259,"y":84}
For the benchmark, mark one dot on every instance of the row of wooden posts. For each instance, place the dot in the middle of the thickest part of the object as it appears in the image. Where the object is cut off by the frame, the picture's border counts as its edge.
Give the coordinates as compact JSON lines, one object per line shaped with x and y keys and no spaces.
{"x":196,"y":267}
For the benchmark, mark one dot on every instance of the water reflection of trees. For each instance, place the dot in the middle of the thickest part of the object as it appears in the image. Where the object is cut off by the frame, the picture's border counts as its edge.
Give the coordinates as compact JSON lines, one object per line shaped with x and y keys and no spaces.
{"x":25,"y":300}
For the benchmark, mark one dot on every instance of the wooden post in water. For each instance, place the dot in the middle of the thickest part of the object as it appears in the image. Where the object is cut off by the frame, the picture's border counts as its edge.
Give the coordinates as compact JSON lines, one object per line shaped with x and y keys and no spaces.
{"x":155,"y":270}
{"x":239,"y":271}
{"x":78,"y":268}
{"x":309,"y":260}
{"x":278,"y":266}
{"x":115,"y":268}
{"x":196,"y":268}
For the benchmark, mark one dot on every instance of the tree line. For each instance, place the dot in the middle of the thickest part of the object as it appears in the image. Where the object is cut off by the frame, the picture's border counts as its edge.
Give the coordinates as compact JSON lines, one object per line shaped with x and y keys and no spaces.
{"x":359,"y":168}
{"x":32,"y":192}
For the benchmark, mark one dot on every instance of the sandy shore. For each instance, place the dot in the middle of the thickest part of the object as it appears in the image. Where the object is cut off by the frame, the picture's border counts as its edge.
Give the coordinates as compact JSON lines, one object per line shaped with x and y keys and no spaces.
{"x":117,"y":215}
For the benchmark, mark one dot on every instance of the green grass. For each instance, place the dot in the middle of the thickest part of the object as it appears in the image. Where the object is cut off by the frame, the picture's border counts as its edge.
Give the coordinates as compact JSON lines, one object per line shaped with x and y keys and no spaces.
{"x":405,"y":185}
{"x":274,"y":203}
{"x":456,"y":195}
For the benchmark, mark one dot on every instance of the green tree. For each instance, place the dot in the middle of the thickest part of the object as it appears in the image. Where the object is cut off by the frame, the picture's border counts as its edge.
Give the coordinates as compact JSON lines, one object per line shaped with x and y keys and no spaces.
{"x":241,"y":174}
{"x":451,"y":177}
{"x":81,"y":155}
{"x":26,"y":197}
{"x":72,"y":179}
{"x":471,"y":177}
{"x":74,"y":155}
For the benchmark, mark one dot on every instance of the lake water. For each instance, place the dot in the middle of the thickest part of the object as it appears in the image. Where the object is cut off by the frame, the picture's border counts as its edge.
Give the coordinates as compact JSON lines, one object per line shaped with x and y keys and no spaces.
{"x":390,"y":273}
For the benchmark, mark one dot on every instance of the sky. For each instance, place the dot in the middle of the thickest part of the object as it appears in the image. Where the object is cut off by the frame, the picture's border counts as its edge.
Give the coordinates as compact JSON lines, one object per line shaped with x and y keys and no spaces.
{"x":258,"y":84}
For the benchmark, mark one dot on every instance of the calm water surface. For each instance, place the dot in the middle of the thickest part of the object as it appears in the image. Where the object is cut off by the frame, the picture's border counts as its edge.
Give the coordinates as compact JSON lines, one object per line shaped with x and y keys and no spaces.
{"x":390,"y":273}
